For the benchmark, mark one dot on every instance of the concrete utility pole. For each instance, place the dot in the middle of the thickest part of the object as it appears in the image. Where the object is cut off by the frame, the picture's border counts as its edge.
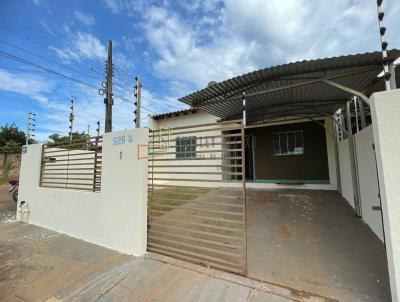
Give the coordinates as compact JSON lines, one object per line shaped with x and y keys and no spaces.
{"x":108,"y":99}
{"x":138,"y":97}
{"x":71,"y":120}
{"x":29,"y":126}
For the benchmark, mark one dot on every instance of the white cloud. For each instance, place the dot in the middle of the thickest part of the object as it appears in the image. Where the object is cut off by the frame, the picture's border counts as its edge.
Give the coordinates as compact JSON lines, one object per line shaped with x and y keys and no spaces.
{"x":238,"y":36}
{"x":114,"y":5}
{"x":81,"y":45}
{"x":84,"y":18}
{"x":26,"y":84}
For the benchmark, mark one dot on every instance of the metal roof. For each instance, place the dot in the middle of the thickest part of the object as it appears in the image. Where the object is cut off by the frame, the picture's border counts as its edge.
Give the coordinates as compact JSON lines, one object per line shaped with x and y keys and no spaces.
{"x":174,"y":113}
{"x":291,"y":88}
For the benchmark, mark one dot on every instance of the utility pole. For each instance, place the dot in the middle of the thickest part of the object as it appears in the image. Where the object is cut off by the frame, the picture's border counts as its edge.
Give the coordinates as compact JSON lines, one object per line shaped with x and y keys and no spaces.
{"x":108,"y":99}
{"x":71,"y":120}
{"x":88,"y":129}
{"x":138,"y":97}
{"x":29,"y":126}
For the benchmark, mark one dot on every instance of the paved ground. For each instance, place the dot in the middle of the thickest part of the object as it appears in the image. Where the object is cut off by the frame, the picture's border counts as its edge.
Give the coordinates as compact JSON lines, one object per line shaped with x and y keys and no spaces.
{"x":302,"y":240}
{"x":311,"y":240}
{"x":41,"y":265}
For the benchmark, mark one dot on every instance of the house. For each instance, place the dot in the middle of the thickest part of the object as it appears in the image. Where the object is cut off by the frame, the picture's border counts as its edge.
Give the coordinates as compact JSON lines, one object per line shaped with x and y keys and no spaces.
{"x":288,"y":175}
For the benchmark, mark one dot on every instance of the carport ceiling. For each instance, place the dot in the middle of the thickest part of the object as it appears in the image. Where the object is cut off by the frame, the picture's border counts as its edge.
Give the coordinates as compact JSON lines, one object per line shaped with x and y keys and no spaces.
{"x":294,"y":88}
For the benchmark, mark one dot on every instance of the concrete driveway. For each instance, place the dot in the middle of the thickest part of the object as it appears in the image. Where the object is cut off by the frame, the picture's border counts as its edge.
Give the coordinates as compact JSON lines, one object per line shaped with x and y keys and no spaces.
{"x":37,"y":264}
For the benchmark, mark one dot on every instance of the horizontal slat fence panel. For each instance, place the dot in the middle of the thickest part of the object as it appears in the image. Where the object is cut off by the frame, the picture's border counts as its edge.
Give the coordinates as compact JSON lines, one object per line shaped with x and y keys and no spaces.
{"x":191,"y":215}
{"x":74,"y":165}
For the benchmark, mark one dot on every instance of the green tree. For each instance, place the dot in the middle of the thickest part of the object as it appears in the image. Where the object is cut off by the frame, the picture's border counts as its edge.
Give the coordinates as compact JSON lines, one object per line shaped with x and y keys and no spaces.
{"x":11,"y":138}
{"x":55,"y":138}
{"x":79,"y":140}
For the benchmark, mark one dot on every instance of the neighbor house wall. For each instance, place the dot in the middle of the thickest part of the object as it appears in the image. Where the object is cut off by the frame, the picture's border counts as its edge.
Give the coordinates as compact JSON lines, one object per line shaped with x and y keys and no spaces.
{"x":115,"y":218}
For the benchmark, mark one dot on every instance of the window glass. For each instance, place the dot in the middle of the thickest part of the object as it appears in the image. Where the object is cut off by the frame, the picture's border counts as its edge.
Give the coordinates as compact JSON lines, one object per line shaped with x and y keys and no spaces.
{"x":287,"y":143}
{"x":185,"y":147}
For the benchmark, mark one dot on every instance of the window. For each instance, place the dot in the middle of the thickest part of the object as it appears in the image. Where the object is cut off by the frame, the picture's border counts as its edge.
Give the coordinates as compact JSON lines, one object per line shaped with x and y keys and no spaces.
{"x":185,"y":147}
{"x":288,"y":143}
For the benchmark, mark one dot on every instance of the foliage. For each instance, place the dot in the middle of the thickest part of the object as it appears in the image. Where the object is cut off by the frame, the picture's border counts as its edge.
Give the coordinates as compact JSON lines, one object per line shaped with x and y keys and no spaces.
{"x":11,"y":138}
{"x":55,"y":138}
{"x":5,"y":169}
{"x":79,"y":140}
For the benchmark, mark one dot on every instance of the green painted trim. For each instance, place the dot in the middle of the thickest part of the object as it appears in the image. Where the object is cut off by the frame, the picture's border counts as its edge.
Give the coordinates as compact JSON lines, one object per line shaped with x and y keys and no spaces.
{"x":293,"y":181}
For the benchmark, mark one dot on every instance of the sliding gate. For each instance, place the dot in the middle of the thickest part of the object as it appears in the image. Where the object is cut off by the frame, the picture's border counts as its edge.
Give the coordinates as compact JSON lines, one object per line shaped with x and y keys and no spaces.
{"x":196,"y":206}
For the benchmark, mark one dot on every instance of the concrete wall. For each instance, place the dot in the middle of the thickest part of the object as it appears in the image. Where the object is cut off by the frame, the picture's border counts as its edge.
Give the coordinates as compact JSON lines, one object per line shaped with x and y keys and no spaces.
{"x":368,"y":180}
{"x":115,"y":218}
{"x":367,"y":177}
{"x":345,"y":171}
{"x":385,"y":112}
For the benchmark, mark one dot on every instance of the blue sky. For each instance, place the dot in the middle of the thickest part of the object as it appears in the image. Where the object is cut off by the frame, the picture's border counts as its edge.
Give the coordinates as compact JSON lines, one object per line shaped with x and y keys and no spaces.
{"x":175,"y":47}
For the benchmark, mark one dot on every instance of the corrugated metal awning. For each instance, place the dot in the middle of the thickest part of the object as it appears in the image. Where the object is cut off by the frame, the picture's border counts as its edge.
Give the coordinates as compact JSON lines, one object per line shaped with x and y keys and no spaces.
{"x":292,"y":88}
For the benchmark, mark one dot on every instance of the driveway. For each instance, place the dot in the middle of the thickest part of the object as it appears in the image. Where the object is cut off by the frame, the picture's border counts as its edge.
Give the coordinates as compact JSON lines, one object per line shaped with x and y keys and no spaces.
{"x":37,"y":264}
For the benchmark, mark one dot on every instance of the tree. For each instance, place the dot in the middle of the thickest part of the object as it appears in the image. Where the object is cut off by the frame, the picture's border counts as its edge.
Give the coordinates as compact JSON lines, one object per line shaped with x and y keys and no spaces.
{"x":79,"y":140}
{"x":11,"y":138}
{"x":55,"y":137}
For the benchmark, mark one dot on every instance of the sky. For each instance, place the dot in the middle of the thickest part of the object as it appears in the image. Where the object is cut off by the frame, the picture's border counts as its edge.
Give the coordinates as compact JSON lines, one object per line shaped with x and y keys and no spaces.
{"x":175,"y":47}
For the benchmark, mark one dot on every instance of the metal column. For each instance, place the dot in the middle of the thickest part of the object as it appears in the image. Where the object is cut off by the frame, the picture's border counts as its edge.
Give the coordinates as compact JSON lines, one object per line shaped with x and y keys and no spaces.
{"x":362,"y":114}
{"x":336,"y":148}
{"x":353,"y":162}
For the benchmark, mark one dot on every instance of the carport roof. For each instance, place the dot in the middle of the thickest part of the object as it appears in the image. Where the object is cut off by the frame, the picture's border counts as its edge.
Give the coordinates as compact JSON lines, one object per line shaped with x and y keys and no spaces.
{"x":294,"y":88}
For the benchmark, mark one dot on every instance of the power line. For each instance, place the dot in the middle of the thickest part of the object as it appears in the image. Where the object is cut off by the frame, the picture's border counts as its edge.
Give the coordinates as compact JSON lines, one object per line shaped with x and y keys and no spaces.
{"x":18,"y":59}
{"x":42,"y":57}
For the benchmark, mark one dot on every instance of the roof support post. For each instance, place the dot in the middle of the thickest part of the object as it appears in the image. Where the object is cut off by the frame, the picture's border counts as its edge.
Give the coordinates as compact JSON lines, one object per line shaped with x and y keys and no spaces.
{"x":244,"y":108}
{"x":355,"y":100}
{"x":336,"y":149}
{"x":353,"y":162}
{"x":362,"y":115}
{"x":347,"y":89}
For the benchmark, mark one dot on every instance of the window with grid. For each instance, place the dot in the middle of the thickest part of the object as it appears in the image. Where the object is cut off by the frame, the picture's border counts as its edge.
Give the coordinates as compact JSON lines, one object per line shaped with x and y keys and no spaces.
{"x":288,"y":143}
{"x":185,"y":147}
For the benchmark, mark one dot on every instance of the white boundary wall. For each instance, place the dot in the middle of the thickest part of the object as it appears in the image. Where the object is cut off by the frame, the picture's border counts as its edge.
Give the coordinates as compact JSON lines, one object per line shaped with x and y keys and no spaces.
{"x":115,"y":218}
{"x":385,"y":112}
{"x":201,"y":117}
{"x":367,"y":176}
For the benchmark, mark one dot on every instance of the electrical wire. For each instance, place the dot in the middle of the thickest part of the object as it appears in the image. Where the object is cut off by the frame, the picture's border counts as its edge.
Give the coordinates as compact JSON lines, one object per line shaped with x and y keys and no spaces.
{"x":21,"y":60}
